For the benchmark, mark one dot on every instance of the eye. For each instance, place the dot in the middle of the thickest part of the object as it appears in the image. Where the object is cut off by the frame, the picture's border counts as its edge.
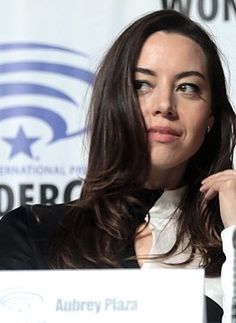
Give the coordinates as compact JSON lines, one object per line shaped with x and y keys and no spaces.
{"x":142,"y":86}
{"x":189,"y":89}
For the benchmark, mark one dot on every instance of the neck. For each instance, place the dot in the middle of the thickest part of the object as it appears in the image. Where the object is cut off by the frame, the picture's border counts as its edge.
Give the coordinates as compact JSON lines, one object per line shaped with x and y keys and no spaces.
{"x":168,"y":179}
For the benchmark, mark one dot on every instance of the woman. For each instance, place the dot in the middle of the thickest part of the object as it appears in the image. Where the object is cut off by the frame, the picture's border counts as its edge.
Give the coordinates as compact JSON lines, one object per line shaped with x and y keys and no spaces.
{"x":160,"y":188}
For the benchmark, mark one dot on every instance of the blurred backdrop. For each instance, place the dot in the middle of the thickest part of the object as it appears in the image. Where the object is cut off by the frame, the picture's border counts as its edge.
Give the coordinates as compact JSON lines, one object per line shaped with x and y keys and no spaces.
{"x":49,"y":52}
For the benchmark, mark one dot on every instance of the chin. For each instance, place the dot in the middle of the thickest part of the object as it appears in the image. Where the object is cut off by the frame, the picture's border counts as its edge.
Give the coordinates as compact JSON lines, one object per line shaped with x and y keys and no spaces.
{"x":168,"y":164}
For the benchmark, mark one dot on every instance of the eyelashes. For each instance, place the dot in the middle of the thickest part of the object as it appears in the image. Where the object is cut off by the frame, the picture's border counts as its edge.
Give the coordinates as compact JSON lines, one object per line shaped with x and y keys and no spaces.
{"x":142,"y":86}
{"x":189,"y":88}
{"x":186,"y":89}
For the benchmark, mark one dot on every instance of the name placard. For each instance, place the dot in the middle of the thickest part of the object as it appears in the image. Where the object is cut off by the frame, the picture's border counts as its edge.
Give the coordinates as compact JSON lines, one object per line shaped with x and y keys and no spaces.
{"x":118,"y":295}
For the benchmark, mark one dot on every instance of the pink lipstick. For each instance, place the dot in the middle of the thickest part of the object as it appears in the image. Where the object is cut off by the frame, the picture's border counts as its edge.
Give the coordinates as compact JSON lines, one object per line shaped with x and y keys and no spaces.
{"x":163,"y":134}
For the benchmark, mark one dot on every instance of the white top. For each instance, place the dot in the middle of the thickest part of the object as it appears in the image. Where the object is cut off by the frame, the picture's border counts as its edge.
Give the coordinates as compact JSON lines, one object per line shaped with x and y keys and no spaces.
{"x":163,"y":227}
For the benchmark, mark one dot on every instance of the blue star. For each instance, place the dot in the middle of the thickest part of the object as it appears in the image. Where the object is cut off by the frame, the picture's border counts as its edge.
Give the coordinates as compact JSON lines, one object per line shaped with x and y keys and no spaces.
{"x":21,"y":143}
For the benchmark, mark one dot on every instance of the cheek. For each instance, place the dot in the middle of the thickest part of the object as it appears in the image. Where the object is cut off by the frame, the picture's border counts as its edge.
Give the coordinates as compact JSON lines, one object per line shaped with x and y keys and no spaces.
{"x":196,"y":118}
{"x":198,"y":125}
{"x":196,"y":129}
{"x":144,"y":106}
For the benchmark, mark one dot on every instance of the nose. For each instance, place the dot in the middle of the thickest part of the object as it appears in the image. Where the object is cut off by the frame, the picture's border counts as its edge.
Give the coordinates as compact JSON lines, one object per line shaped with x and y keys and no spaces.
{"x":164,"y":103}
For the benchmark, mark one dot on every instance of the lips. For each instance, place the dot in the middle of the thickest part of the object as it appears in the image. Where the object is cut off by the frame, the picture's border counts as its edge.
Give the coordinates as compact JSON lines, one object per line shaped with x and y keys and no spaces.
{"x":163,"y":134}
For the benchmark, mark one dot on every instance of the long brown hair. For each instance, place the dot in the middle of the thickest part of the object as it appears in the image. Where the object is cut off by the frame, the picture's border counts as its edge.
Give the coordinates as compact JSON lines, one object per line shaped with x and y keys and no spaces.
{"x":100,"y":226}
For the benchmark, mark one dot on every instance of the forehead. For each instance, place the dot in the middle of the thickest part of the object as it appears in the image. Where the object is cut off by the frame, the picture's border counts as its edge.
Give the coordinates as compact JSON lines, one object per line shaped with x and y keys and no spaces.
{"x":172,"y":51}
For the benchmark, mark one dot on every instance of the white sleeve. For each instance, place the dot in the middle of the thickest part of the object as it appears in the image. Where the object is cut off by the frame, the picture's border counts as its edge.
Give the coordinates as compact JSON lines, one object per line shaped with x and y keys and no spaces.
{"x":227,"y":272}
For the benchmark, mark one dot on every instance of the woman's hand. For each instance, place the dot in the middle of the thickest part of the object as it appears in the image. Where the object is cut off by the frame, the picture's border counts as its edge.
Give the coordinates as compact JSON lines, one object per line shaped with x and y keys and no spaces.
{"x":222,"y":184}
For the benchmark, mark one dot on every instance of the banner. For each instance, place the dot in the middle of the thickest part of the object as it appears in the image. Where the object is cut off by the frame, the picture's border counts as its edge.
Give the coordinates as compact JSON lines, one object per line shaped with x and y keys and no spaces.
{"x":49,"y":52}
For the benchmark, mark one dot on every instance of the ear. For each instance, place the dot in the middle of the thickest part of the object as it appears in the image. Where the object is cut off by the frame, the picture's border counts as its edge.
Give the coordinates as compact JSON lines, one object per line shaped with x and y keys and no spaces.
{"x":211,"y":121}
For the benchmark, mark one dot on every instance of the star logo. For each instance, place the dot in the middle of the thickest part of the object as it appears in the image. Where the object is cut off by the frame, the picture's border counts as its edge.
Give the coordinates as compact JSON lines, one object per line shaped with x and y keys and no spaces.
{"x":21,"y":143}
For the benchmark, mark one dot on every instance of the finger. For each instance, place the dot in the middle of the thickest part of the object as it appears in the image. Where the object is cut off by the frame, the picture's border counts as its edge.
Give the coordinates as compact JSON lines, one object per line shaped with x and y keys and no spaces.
{"x":223,"y":181}
{"x":218,"y":182}
{"x":228,"y":172}
{"x":210,"y":194}
{"x":211,"y":189}
{"x":222,"y":184}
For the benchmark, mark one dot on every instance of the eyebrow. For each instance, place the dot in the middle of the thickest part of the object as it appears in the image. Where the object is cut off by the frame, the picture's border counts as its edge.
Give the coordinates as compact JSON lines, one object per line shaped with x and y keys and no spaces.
{"x":178,"y":76}
{"x":145,"y":71}
{"x":190,"y":73}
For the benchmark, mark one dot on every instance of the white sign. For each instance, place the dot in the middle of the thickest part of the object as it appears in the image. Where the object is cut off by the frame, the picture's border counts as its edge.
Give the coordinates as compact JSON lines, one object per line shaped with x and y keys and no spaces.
{"x":119,"y":295}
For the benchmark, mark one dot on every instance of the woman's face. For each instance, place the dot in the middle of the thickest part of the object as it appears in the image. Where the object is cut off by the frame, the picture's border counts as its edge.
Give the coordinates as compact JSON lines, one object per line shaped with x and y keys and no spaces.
{"x":172,"y":83}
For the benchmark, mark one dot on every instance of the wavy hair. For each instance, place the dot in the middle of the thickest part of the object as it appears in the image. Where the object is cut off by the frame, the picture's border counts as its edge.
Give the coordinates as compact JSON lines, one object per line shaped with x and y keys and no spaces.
{"x":100,"y":226}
